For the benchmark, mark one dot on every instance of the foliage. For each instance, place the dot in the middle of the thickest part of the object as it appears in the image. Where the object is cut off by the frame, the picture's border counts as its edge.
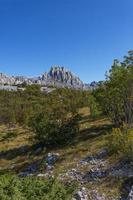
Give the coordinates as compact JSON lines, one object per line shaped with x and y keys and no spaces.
{"x":116,"y":95}
{"x":53,"y":117}
{"x":121,"y":142}
{"x":31,"y":188}
{"x":18,"y":107}
{"x":51,"y":129}
{"x":10,"y":188}
{"x":94,"y":107}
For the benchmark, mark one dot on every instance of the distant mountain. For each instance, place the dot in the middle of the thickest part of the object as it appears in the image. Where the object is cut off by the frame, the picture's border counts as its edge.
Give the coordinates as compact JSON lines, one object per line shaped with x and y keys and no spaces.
{"x":57,"y":76}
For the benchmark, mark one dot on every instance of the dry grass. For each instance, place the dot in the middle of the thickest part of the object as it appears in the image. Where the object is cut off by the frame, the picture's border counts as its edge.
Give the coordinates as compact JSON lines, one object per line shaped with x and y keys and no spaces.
{"x":12,"y":140}
{"x":13,"y":137}
{"x":92,"y":138}
{"x":84,"y":111}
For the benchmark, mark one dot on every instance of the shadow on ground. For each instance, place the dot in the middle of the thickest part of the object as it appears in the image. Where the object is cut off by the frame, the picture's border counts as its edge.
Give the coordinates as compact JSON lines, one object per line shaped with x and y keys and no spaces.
{"x":86,"y":134}
{"x":12,"y":153}
{"x":93,"y":132}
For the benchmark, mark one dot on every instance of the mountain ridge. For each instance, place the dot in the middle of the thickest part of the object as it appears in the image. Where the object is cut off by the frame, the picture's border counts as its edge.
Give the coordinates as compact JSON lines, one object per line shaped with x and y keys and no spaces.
{"x":56,"y":76}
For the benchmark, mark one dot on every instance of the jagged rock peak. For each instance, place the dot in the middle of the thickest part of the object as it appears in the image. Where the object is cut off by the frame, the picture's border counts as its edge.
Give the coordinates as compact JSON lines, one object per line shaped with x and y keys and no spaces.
{"x":57,"y":76}
{"x":63,"y":75}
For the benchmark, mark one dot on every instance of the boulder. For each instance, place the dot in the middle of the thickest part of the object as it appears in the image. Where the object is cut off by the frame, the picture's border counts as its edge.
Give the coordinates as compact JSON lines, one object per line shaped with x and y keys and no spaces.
{"x":52,"y":158}
{"x":81,"y":194}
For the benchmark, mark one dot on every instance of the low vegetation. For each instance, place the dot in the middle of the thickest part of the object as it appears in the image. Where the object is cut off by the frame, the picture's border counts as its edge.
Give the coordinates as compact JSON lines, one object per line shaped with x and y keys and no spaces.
{"x":121,"y":142}
{"x":72,"y":122}
{"x":50,"y":130}
{"x":12,"y":187}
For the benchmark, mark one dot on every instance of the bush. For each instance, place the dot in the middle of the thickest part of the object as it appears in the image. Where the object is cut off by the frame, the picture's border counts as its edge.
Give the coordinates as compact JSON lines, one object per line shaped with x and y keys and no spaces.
{"x":115,"y":141}
{"x":121,"y":142}
{"x":128,"y":144}
{"x":94,"y":107}
{"x":31,"y":188}
{"x":51,"y":130}
{"x":10,"y":188}
{"x":115,"y":95}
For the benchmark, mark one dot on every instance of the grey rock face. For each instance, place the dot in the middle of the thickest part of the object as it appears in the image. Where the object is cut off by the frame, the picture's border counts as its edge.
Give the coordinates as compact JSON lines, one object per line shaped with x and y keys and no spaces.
{"x":130,"y":196}
{"x":57,"y":76}
{"x":52,"y":158}
{"x":60,"y":76}
{"x":6,"y":79}
{"x":50,"y":161}
{"x":81,"y":194}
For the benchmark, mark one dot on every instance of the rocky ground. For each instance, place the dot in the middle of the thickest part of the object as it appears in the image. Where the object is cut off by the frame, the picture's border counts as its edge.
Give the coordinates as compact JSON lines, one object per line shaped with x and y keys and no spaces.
{"x":98,"y":169}
{"x":87,"y":162}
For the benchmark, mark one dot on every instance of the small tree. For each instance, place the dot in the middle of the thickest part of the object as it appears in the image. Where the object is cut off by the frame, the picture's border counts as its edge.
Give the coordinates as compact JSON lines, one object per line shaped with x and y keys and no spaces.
{"x":93,"y":105}
{"x":116,"y":94}
{"x":53,"y":131}
{"x":119,"y":139}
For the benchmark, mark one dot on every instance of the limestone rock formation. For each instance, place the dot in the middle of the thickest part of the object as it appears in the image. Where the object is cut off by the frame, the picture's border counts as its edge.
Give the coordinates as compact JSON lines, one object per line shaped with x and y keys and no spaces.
{"x":57,"y":76}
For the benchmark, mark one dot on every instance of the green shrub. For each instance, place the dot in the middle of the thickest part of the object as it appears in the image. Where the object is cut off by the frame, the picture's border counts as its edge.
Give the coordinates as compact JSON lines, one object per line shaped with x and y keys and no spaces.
{"x":32,"y":188}
{"x":10,"y":188}
{"x":94,"y":107}
{"x":115,"y":141}
{"x":128,"y":144}
{"x":115,"y":95}
{"x":61,"y":193}
{"x":121,"y":142}
{"x":51,"y":130}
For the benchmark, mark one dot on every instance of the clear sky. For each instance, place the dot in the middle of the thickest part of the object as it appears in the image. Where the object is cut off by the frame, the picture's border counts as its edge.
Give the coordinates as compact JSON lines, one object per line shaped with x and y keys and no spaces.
{"x":82,"y":35}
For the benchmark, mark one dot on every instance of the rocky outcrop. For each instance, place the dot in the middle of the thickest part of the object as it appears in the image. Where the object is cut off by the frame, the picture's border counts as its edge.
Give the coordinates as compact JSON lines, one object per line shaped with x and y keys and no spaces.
{"x":81,"y":194}
{"x":52,"y":158}
{"x":60,"y":74}
{"x":48,"y":162}
{"x":60,"y":77}
{"x":84,"y":194}
{"x":57,"y":76}
{"x":4,"y":79}
{"x":97,"y":170}
{"x":130,"y":196}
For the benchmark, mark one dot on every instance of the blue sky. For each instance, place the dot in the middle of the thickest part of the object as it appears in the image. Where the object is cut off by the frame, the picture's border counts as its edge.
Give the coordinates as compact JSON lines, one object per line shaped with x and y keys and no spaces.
{"x":82,"y":35}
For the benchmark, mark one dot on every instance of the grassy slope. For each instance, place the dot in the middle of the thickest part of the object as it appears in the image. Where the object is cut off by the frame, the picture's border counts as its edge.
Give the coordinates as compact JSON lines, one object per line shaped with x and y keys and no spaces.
{"x":17,"y":151}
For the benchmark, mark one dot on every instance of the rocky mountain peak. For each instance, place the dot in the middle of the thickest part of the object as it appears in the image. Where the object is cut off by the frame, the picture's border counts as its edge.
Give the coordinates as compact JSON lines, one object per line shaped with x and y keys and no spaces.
{"x":62,"y":75}
{"x":57,"y":76}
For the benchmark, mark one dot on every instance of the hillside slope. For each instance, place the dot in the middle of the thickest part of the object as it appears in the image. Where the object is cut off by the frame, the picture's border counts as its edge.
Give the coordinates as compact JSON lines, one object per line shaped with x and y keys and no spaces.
{"x":85,"y":161}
